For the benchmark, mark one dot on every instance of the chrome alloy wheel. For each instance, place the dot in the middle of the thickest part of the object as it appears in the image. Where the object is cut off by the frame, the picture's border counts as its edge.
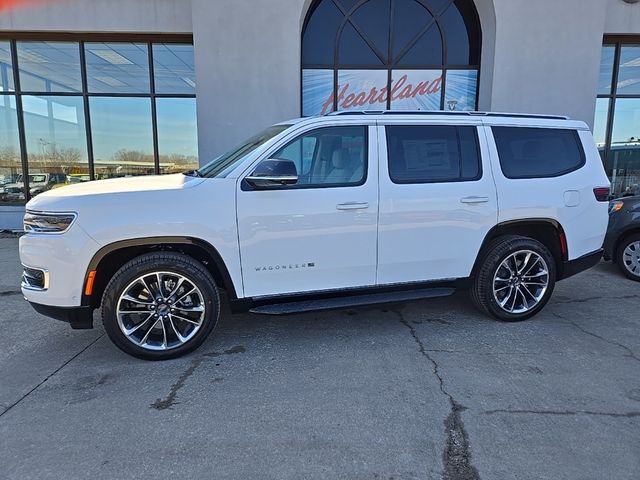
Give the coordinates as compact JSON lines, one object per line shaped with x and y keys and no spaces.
{"x":520,"y":282}
{"x":631,"y":258}
{"x":160,"y":311}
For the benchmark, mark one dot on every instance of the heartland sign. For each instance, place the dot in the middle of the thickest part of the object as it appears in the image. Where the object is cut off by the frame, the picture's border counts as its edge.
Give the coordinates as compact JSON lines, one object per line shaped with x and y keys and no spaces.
{"x":371,"y":90}
{"x":401,"y":89}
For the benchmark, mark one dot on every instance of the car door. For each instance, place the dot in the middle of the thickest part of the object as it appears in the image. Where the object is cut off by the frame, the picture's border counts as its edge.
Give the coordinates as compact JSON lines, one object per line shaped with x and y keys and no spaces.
{"x":438,"y":200}
{"x":319,"y":234}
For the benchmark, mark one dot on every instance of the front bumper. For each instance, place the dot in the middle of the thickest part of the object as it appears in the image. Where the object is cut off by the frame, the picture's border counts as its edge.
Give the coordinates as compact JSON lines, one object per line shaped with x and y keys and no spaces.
{"x":80,"y":318}
{"x":573,"y":267}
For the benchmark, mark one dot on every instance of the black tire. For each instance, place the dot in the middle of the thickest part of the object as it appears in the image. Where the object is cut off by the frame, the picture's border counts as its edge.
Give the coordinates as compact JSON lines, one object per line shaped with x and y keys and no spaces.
{"x":146,"y":264}
{"x":492,"y":258}
{"x":620,"y":260}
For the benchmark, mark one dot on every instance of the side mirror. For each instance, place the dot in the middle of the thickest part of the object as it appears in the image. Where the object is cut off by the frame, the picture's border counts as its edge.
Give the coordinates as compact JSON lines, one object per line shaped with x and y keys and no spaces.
{"x":273,"y":173}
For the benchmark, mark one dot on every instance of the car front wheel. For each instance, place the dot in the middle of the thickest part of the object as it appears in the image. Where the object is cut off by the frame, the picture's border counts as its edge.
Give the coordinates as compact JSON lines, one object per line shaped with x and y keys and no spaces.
{"x":515,"y":279}
{"x":160,"y":305}
{"x":628,"y":257}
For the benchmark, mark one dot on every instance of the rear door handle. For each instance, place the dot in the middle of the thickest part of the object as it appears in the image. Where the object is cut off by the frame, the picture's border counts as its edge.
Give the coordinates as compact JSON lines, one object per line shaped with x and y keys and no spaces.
{"x":474,"y":200}
{"x":352,"y":206}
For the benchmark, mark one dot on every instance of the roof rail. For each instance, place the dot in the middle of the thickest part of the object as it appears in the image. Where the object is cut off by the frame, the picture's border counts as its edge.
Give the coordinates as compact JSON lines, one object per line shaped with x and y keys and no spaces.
{"x":446,"y":113}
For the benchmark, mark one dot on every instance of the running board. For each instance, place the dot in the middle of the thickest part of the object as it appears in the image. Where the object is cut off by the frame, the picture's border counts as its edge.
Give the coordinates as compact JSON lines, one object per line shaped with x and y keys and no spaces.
{"x":335,"y":303}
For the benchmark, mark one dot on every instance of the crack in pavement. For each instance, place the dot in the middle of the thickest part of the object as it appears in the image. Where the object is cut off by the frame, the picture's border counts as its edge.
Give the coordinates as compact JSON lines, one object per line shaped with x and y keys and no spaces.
{"x":565,"y":413}
{"x":630,"y":353}
{"x":456,"y":457}
{"x":52,"y":374}
{"x":592,"y":299}
{"x":10,"y":292}
{"x":170,"y":400}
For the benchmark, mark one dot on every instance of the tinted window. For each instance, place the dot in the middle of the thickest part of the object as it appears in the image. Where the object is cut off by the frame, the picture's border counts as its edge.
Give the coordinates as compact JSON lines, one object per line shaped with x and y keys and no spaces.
{"x":537,"y":152}
{"x":334,"y":156}
{"x":49,"y":66}
{"x":432,"y":153}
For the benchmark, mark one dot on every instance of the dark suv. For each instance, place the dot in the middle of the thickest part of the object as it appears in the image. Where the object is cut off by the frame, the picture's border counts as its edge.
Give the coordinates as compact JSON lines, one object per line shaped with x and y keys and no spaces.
{"x":622,"y":243}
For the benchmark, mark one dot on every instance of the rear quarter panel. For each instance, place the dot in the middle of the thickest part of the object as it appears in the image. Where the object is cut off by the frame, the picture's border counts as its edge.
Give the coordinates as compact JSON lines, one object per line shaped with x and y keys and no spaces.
{"x":567,"y":199}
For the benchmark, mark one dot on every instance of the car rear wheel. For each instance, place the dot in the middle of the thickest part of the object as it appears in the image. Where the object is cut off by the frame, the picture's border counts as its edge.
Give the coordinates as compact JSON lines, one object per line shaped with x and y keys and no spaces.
{"x":628,"y":257}
{"x":515,"y":279}
{"x":160,"y":306}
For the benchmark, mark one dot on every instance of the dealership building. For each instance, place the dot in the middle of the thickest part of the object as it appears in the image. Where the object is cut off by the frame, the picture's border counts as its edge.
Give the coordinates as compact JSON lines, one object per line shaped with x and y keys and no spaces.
{"x":95,"y":89}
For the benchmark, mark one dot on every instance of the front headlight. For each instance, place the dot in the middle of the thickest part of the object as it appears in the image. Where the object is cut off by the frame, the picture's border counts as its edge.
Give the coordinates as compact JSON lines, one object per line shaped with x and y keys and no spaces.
{"x":616,"y":206}
{"x":38,"y":222}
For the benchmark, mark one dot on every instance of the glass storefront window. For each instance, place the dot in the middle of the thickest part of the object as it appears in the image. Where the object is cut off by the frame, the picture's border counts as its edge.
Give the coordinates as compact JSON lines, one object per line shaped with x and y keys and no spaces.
{"x":317,"y":92}
{"x":11,"y":190}
{"x":117,"y":67}
{"x":49,"y":66}
{"x":624,"y":156}
{"x":618,"y":138}
{"x":461,"y":89}
{"x":600,"y":125}
{"x":379,"y":48}
{"x":56,"y":108}
{"x":6,"y":70}
{"x":416,"y":89}
{"x":121,"y":129}
{"x":629,"y":71}
{"x":606,"y":70}
{"x":177,"y":134}
{"x":362,"y":89}
{"x":173,"y":68}
{"x":56,"y":140}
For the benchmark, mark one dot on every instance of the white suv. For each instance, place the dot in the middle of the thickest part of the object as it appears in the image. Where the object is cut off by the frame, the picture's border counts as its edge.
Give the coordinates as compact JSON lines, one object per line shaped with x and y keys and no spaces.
{"x":337,"y":211}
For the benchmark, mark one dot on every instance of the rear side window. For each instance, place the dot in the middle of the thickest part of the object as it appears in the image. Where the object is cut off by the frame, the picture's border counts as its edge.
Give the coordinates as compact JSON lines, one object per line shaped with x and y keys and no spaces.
{"x":538,"y":152}
{"x":433,"y":153}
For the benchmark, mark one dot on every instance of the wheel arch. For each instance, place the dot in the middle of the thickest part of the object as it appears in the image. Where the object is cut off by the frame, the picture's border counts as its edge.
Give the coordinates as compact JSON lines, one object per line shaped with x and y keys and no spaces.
{"x":547,"y":231}
{"x":110,"y":258}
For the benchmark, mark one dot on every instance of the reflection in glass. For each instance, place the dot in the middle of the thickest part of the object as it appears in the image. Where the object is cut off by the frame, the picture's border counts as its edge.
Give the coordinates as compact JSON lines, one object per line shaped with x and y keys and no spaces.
{"x":117,"y":67}
{"x":317,"y":92}
{"x":56,"y":140}
{"x":122,"y":136}
{"x":461,"y":89}
{"x":177,"y":134}
{"x":49,"y":66}
{"x":416,"y":89}
{"x":600,"y":125}
{"x":629,"y":72}
{"x":173,"y":67}
{"x":362,"y":90}
{"x":624,"y":158}
{"x":11,"y":190}
{"x":6,"y":71}
{"x":606,"y":70}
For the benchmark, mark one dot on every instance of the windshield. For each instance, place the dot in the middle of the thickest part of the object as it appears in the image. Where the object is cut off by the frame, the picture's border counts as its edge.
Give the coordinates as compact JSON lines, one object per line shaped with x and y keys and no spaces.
{"x":221,"y":166}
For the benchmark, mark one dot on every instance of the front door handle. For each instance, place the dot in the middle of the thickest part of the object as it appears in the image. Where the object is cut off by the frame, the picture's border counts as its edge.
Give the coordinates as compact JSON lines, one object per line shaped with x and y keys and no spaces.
{"x":474,"y":200}
{"x":352,"y":206}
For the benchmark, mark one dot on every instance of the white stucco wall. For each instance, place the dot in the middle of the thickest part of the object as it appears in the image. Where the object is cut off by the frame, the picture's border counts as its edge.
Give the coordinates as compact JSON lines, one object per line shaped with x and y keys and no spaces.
{"x":622,"y":17}
{"x":101,"y":16}
{"x":248,"y":68}
{"x":547,"y":56}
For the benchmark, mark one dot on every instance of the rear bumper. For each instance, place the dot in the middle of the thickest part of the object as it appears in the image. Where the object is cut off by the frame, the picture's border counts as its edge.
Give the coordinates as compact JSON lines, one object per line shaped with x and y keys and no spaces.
{"x":573,"y":267}
{"x":80,"y":318}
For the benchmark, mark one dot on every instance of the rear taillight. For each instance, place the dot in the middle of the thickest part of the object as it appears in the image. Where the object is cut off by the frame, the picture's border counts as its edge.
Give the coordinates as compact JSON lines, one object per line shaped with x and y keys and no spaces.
{"x":602,"y":194}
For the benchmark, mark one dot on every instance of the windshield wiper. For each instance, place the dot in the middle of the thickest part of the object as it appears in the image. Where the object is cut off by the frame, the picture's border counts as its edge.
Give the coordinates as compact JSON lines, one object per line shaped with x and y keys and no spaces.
{"x":192,"y":173}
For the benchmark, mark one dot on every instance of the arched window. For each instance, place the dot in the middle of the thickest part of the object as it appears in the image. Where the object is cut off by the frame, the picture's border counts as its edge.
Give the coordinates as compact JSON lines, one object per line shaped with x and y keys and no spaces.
{"x":390,"y":54}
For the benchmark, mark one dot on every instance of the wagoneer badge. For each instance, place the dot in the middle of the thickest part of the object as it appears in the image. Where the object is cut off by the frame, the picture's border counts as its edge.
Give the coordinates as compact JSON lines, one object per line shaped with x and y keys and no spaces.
{"x":291,"y":266}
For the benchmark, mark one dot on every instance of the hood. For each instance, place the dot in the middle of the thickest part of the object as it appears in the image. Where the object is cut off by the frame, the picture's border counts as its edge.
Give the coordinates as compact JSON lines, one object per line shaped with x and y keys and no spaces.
{"x":130,"y":185}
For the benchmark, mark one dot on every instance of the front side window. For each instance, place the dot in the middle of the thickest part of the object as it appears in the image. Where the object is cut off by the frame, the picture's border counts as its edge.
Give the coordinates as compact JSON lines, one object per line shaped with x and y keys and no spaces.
{"x":538,"y":152}
{"x":333,"y":156}
{"x":432,"y":153}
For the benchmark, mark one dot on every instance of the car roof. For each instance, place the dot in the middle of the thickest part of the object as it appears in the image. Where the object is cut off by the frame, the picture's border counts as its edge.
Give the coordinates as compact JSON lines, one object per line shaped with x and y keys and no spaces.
{"x":478,"y":118}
